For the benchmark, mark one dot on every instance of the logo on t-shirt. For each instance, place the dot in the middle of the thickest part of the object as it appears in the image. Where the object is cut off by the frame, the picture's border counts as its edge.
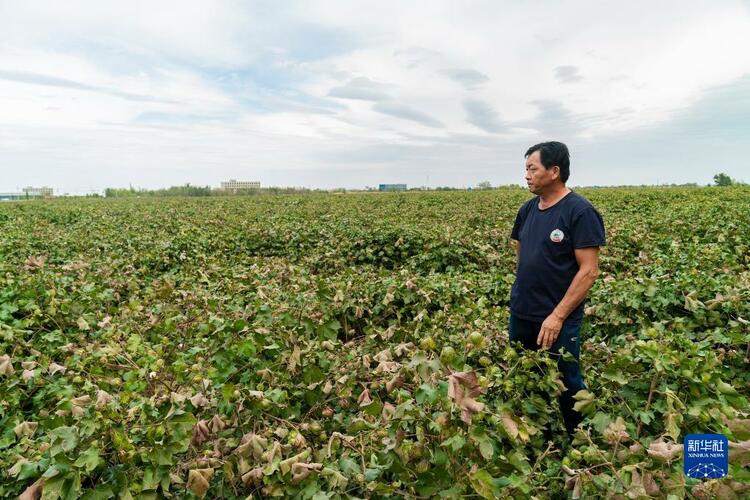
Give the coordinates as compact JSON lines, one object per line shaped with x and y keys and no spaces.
{"x":556,"y":236}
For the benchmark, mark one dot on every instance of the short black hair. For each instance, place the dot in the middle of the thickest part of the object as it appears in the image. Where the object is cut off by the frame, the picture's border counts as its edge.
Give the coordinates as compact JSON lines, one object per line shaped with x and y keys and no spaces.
{"x":553,"y":153}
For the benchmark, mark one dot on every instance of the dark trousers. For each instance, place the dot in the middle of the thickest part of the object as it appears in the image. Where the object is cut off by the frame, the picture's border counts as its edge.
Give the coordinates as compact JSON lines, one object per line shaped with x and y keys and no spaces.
{"x":526,"y":333}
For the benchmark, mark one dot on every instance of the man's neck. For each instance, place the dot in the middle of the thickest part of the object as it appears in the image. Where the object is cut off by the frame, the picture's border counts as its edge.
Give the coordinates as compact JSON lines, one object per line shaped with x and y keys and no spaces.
{"x":551,"y":197}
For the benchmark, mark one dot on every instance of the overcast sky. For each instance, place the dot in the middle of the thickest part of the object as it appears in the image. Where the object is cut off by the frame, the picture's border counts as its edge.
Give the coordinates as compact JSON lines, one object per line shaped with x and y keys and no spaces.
{"x":349,"y":94}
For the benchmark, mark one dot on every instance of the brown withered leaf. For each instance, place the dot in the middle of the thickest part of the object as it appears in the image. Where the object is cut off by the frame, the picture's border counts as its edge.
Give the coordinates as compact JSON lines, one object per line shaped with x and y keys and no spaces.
{"x":77,"y":410}
{"x":384,"y":355}
{"x":393,"y":383}
{"x":254,"y":476}
{"x":56,"y":368}
{"x":403,"y":348}
{"x":739,"y":453}
{"x":199,"y":400}
{"x":102,"y":398}
{"x":463,"y":387}
{"x":740,"y":427}
{"x":198,"y":481}
{"x":200,"y":433}
{"x":34,"y":262}
{"x":6,"y":366}
{"x":217,"y":424}
{"x":663,"y":450}
{"x":328,"y":387}
{"x":25,"y":429}
{"x":299,"y":441}
{"x":83,"y":324}
{"x":33,"y":492}
{"x":509,"y":424}
{"x":387,"y":367}
{"x":252,"y":444}
{"x":301,"y":470}
{"x":388,"y":411}
{"x":616,"y":432}
{"x":650,"y":485}
{"x":294,"y":360}
{"x":81,"y":401}
{"x":364,"y":398}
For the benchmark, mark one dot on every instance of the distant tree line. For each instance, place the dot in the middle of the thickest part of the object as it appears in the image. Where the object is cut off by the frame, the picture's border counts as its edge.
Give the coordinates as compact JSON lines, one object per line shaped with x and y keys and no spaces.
{"x":188,"y":190}
{"x":721,"y":179}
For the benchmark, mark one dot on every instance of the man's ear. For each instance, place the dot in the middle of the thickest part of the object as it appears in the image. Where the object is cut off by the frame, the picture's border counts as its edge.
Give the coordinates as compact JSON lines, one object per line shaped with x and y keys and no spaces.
{"x":558,"y":170}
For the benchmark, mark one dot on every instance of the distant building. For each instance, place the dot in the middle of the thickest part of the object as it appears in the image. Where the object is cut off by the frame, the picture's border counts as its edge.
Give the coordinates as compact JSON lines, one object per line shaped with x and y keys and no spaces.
{"x":391,"y":187}
{"x":28,"y":193}
{"x":38,"y":192}
{"x":235,"y":185}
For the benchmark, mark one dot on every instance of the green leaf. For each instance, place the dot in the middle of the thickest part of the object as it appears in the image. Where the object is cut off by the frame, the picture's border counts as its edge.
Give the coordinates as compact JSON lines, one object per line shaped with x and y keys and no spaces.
{"x":486,"y":449}
{"x":53,"y":488}
{"x":439,"y":458}
{"x":335,"y":478}
{"x":615,"y":376}
{"x":584,"y":402}
{"x":455,"y":442}
{"x":725,"y":388}
{"x":425,"y":392}
{"x":646,"y":416}
{"x":601,"y":421}
{"x":329,"y":329}
{"x":673,"y":422}
{"x":64,"y":439}
{"x":153,"y":477}
{"x":484,"y":484}
{"x":160,"y":455}
{"x":349,"y":466}
{"x":89,"y":459}
{"x":519,"y":461}
{"x":100,"y":493}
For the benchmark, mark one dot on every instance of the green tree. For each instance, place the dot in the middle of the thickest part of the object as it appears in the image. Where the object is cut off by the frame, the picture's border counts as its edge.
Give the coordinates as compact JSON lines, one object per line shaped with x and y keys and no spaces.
{"x":723,"y":179}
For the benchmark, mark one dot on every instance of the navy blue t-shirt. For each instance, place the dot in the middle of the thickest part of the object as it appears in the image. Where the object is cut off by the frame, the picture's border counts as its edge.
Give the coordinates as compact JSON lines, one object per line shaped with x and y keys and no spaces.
{"x":547,"y":262}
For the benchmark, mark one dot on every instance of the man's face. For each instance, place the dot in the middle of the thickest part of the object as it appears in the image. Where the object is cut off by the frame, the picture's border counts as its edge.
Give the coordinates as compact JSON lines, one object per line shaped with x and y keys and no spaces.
{"x":538,"y":178}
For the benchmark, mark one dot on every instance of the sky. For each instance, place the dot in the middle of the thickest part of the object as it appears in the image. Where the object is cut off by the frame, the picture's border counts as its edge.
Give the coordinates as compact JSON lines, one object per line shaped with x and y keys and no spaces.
{"x":325,"y":94}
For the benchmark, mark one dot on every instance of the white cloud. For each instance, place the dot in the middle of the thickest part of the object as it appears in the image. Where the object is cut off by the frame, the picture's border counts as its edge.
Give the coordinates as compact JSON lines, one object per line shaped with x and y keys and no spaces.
{"x":199,"y":89}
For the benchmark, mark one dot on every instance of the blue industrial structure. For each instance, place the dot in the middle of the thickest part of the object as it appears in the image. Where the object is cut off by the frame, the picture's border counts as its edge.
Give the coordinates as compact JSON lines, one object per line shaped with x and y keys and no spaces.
{"x":391,"y":187}
{"x":28,"y":193}
{"x":12,"y":196}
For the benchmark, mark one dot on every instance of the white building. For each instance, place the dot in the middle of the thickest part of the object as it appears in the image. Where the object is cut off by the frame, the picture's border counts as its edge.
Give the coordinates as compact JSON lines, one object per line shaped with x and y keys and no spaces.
{"x":234,"y":185}
{"x":38,"y":192}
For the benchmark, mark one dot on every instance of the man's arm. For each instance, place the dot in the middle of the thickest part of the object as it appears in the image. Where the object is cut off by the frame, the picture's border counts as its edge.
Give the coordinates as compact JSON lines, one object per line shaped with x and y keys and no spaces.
{"x":588,"y":271}
{"x":518,"y":252}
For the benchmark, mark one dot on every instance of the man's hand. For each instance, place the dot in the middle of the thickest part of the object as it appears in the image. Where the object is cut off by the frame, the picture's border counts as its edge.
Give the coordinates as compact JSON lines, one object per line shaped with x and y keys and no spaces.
{"x":550,"y":331}
{"x":588,"y":270}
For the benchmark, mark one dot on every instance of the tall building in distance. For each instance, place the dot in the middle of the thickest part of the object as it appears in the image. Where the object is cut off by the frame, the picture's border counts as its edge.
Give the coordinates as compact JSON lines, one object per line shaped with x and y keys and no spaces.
{"x":234,"y":185}
{"x":38,"y":192}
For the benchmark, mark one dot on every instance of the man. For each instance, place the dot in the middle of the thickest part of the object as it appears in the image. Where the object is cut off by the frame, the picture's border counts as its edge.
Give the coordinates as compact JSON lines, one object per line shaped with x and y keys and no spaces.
{"x":557,"y":237}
